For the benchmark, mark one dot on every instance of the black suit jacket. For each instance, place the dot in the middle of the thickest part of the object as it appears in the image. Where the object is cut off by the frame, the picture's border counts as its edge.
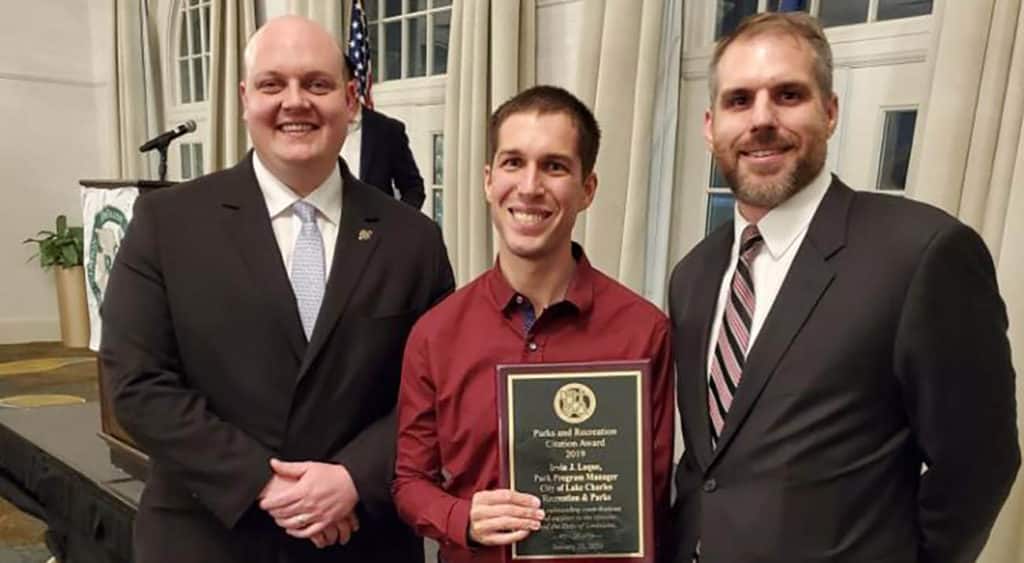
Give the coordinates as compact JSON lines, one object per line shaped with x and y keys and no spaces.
{"x":385,"y":160}
{"x":885,"y":348}
{"x":213,"y":376}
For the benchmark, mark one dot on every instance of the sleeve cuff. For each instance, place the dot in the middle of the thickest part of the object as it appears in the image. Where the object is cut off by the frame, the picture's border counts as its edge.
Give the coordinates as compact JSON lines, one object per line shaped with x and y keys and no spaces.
{"x":458,"y":524}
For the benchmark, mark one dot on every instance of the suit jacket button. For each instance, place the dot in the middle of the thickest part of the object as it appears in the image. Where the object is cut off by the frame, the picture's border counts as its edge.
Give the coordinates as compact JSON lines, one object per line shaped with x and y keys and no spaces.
{"x":710,"y":485}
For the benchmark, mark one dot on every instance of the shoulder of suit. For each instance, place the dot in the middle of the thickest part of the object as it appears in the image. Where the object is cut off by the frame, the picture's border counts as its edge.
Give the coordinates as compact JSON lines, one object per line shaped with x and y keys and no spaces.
{"x":897,"y":220}
{"x":393,"y":209}
{"x":203,"y":188}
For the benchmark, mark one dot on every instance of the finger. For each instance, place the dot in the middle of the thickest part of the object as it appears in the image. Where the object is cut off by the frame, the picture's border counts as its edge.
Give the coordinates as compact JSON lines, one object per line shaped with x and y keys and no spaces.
{"x":505,"y":523}
{"x":506,"y":496}
{"x":504,"y":538}
{"x":319,"y":541}
{"x":289,"y":496}
{"x":353,"y":522}
{"x":307,"y":532}
{"x":486,"y":511}
{"x":329,"y":535}
{"x":295,"y":522}
{"x":291,"y":469}
{"x":289,"y":510}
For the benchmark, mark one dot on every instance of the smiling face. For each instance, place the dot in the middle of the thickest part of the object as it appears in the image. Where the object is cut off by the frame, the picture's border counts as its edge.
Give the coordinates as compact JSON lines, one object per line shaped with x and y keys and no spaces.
{"x":535,"y":186}
{"x":297,"y":103}
{"x":769,"y":123}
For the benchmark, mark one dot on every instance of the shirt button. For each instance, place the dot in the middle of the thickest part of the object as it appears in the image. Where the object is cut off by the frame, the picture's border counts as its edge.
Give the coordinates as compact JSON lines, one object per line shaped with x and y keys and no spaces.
{"x":532,"y":346}
{"x":519,"y":299}
{"x":710,"y":485}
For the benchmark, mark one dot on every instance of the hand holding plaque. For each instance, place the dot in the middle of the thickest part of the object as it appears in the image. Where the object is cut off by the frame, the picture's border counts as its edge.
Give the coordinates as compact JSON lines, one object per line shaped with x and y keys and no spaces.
{"x":503,"y":517}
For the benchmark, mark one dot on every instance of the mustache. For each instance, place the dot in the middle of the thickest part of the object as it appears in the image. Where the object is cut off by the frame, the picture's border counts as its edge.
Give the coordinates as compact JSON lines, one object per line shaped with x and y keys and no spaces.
{"x":766,"y":138}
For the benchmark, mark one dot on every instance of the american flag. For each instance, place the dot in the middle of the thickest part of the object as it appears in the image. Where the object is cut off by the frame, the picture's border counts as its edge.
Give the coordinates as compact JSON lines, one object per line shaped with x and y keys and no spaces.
{"x":359,"y":53}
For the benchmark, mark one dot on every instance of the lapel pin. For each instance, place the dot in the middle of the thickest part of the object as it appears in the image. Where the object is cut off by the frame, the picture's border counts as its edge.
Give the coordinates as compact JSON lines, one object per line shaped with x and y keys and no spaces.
{"x":365,"y":234}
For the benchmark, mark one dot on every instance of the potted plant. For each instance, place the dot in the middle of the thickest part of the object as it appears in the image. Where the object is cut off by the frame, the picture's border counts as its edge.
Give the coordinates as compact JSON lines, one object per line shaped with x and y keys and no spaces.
{"x":63,"y":248}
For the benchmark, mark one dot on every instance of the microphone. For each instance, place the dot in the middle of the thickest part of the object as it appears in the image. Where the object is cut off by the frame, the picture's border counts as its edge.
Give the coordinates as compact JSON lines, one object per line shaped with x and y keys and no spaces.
{"x":165,"y":138}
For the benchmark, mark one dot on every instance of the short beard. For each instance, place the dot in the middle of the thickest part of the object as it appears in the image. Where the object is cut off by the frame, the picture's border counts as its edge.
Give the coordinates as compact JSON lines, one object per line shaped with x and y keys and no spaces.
{"x":768,"y":195}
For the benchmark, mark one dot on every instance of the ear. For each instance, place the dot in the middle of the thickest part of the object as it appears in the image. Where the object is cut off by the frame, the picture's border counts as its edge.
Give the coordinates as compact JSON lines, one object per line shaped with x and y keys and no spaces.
{"x":487,"y":183}
{"x":351,"y":97}
{"x":589,"y":190}
{"x":245,"y":100}
{"x":709,"y":119}
{"x":832,"y":113}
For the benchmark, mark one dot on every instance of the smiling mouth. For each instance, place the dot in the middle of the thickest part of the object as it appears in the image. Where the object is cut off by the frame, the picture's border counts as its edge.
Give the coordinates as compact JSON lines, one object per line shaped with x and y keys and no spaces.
{"x":764,"y":153}
{"x":530,"y":217}
{"x":296,"y":128}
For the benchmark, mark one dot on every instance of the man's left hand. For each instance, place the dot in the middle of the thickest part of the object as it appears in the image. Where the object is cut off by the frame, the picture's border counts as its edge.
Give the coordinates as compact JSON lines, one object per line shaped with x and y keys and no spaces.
{"x":323,"y":495}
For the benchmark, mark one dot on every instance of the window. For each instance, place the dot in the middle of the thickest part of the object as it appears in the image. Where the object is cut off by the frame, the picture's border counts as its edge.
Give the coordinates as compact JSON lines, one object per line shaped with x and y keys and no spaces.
{"x":191,"y":160}
{"x":897,"y":142}
{"x":437,"y":184}
{"x":189,"y":67}
{"x":720,"y":200}
{"x":194,"y":51}
{"x":412,"y":35}
{"x":830,"y":12}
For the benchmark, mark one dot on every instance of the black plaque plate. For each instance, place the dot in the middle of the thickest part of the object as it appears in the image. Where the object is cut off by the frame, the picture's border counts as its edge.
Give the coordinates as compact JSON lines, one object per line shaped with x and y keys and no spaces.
{"x":577,"y":436}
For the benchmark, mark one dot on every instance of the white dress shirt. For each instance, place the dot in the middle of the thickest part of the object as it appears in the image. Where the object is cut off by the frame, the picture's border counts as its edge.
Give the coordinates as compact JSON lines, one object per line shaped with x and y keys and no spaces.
{"x":783,"y":229}
{"x":326,"y":198}
{"x":352,"y":148}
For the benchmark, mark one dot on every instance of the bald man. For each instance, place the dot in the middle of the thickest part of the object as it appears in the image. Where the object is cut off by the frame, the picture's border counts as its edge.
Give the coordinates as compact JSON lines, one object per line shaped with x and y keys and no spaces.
{"x":253,"y":332}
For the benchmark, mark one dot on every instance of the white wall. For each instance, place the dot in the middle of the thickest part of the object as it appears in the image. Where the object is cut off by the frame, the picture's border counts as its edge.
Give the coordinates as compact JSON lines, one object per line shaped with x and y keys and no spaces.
{"x":53,"y":88}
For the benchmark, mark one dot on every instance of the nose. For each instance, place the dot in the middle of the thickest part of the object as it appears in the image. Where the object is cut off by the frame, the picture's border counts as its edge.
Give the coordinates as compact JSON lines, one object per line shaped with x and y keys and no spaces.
{"x":763,"y":114}
{"x":294,"y":97}
{"x":530,"y":182}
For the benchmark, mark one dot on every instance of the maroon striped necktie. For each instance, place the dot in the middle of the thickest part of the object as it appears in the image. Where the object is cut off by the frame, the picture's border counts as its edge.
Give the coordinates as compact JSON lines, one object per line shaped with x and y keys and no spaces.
{"x":734,"y":334}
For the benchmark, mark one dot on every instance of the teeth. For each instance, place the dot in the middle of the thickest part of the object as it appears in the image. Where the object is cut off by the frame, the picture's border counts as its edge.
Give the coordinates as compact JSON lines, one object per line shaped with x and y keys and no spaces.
{"x":527,"y":218}
{"x":759,"y":154}
{"x":296,"y":127}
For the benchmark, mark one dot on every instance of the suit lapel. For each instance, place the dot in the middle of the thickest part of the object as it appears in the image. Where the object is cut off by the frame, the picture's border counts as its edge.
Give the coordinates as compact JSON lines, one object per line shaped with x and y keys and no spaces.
{"x":247,"y":224}
{"x":807,"y":280}
{"x":694,"y":390}
{"x":358,"y":237}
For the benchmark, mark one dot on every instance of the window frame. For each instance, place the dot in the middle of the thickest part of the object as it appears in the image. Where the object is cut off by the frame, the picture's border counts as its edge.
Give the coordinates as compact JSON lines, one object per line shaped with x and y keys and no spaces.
{"x":175,"y":111}
{"x":376,"y":31}
{"x":814,"y":8}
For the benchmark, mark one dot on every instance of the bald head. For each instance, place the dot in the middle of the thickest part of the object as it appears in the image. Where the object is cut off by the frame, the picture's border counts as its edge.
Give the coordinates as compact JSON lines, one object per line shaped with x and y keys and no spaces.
{"x":297,"y":100}
{"x":291,"y":29}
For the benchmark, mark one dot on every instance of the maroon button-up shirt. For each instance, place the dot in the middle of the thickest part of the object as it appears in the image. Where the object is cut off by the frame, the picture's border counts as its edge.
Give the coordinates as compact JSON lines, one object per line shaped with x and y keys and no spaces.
{"x":448,"y":422}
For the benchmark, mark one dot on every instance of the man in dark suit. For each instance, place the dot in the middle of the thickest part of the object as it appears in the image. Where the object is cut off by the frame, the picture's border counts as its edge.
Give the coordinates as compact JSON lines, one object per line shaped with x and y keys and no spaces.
{"x":844,"y":376}
{"x":378,"y":146}
{"x":254,"y":327}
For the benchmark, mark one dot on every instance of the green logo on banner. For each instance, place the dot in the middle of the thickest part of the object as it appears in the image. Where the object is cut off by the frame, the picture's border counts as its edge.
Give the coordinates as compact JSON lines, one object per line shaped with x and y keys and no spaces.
{"x":108,"y":229}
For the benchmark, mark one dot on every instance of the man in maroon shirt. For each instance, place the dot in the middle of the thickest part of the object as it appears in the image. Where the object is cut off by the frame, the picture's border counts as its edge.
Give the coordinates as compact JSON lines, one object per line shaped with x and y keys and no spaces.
{"x":541,"y":302}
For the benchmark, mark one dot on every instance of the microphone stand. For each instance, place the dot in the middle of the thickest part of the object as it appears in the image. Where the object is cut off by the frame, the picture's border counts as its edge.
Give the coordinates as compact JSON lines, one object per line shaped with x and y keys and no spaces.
{"x":163,"y":160}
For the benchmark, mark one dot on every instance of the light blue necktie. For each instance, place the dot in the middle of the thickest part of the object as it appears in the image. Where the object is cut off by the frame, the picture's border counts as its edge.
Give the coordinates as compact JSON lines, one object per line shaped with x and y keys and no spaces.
{"x":308,"y":266}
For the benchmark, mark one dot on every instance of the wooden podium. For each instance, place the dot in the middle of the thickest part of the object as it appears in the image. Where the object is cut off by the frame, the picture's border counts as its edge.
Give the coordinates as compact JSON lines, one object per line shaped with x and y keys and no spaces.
{"x":125,"y":453}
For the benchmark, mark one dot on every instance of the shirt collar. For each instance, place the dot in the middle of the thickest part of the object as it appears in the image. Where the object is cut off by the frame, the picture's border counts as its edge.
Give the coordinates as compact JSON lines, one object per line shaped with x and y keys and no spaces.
{"x":580,"y":294}
{"x":279,"y":197}
{"x":783,"y":224}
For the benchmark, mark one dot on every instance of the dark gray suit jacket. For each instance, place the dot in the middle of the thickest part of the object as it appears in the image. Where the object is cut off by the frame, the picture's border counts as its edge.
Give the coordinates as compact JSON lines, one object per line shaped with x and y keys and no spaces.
{"x":212,"y":374}
{"x":886,"y":348}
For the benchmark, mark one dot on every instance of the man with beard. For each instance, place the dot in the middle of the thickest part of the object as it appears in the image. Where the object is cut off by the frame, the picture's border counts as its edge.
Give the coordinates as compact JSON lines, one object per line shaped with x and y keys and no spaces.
{"x":844,"y":375}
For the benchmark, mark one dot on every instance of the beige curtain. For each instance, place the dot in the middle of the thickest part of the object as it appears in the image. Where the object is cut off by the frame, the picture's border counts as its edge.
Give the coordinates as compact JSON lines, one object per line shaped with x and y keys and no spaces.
{"x":971,"y":163}
{"x":136,"y":99}
{"x":231,"y":24}
{"x":332,"y":14}
{"x":617,"y":78}
{"x":491,"y":56}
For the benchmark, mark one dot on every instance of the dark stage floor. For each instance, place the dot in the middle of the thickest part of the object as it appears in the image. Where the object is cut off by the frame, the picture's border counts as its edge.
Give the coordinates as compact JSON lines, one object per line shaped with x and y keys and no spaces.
{"x":33,"y":375}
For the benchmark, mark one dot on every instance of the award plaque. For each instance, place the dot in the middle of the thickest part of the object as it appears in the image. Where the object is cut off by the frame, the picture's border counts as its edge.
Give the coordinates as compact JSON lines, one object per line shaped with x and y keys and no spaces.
{"x":577,"y":436}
